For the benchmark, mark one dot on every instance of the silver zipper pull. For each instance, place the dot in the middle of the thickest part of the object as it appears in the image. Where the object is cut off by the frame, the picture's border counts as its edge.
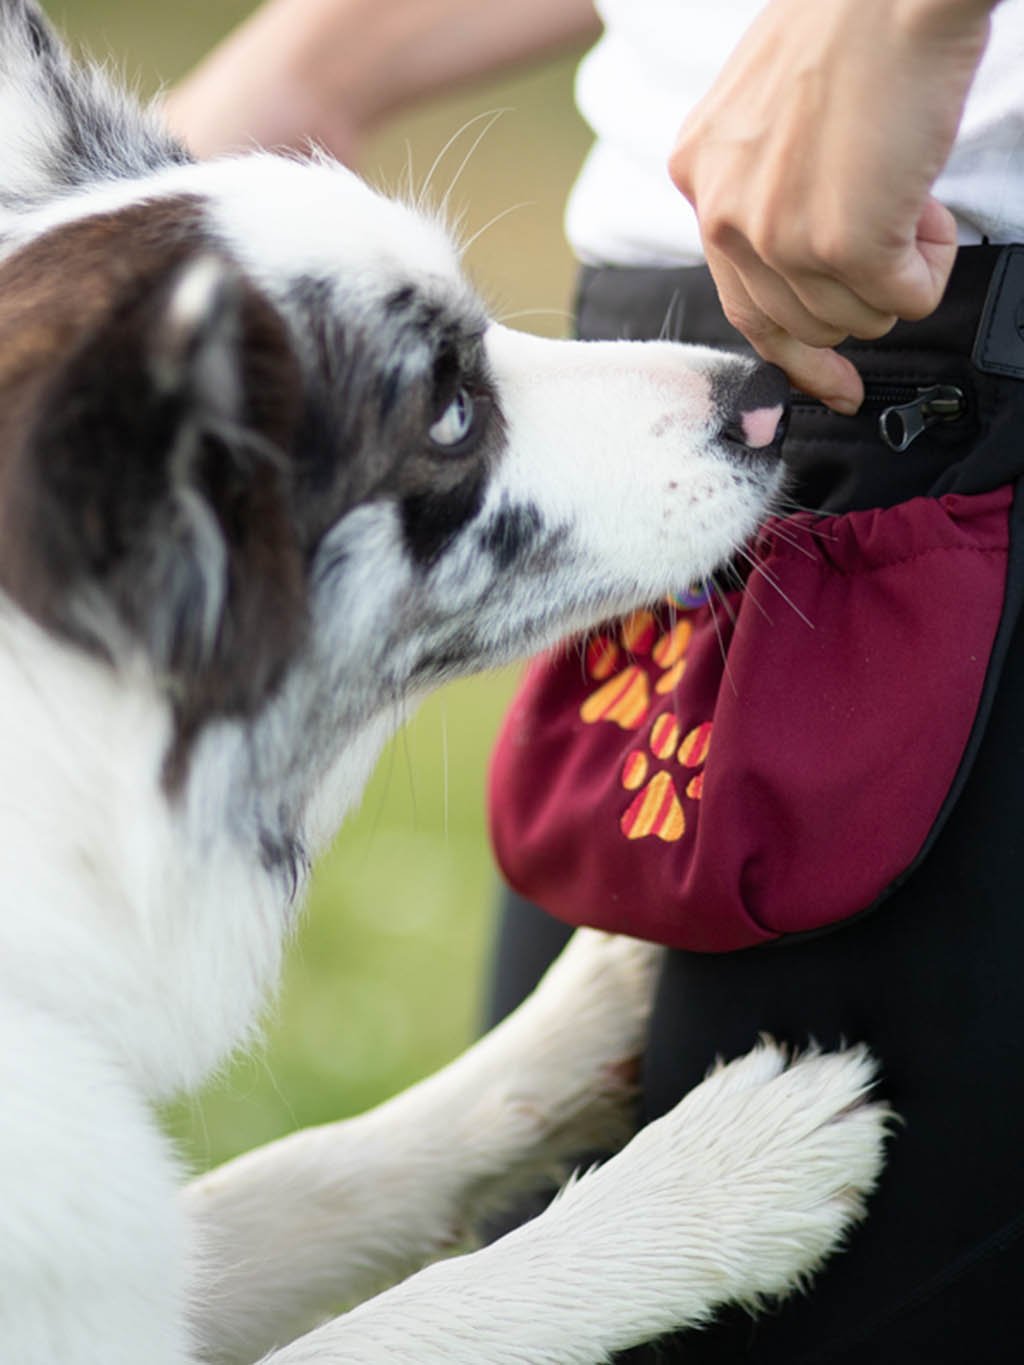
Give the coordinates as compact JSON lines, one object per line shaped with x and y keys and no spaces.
{"x":903,"y":424}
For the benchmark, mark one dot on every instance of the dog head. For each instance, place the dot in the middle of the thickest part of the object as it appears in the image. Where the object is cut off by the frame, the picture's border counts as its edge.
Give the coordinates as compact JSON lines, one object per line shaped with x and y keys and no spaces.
{"x":257,"y":431}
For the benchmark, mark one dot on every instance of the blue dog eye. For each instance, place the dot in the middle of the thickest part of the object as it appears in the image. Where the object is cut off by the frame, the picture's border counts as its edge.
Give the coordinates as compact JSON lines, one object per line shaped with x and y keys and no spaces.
{"x":456,"y":422}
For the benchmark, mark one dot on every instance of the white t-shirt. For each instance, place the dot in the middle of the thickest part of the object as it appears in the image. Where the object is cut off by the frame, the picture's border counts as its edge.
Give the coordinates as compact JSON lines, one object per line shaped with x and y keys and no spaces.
{"x":658,"y":57}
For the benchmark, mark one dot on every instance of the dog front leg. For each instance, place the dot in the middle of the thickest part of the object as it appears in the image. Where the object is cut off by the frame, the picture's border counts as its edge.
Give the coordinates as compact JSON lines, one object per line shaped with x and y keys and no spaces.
{"x":288,"y":1233}
{"x":736,"y":1194}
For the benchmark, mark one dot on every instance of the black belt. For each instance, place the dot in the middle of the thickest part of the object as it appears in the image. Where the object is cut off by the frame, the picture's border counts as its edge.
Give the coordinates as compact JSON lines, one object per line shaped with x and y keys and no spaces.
{"x":936,"y":390}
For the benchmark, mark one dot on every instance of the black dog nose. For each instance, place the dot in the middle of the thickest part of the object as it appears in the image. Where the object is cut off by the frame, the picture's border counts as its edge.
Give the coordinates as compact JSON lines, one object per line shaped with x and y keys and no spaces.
{"x":760,"y":410}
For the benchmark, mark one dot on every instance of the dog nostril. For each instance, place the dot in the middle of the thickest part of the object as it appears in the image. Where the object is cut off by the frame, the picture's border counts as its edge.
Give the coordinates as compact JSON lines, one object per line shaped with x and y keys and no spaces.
{"x":760,"y":410}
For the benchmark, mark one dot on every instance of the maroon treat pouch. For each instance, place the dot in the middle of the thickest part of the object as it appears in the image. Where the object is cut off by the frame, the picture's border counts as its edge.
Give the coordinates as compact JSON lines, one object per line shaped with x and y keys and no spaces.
{"x":771,"y":761}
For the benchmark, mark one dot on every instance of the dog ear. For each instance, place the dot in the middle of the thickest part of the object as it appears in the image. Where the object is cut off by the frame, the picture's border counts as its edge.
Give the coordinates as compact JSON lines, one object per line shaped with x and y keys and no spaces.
{"x":65,"y":125}
{"x":153,"y":488}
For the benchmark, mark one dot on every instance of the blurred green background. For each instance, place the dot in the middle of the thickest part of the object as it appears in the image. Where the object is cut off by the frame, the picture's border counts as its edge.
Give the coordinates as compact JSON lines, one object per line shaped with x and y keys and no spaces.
{"x":385,"y":977}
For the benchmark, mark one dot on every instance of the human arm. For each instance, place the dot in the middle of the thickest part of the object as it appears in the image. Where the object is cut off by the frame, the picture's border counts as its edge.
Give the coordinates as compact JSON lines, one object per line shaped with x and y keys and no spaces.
{"x":331,"y":70}
{"x":810,"y":165}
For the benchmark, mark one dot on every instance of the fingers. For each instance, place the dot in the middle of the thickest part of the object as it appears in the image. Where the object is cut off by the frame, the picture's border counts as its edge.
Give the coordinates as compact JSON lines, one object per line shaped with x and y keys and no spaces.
{"x":783,"y":331}
{"x":902,"y":281}
{"x":809,"y":304}
{"x":809,"y":164}
{"x":794,"y":308}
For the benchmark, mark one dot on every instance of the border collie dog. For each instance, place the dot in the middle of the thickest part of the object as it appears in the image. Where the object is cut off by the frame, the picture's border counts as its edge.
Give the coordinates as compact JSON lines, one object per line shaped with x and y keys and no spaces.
{"x":266,"y":471}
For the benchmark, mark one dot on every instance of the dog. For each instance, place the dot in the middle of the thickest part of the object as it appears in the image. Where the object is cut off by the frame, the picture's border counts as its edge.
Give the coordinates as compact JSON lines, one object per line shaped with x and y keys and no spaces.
{"x":269,"y":472}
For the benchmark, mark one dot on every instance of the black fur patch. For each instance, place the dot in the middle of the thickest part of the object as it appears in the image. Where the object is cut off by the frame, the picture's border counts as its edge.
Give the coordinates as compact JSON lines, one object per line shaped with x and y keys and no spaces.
{"x":433,"y":517}
{"x":285,"y":856}
{"x":449,"y":659}
{"x":512,"y":533}
{"x":40,"y":36}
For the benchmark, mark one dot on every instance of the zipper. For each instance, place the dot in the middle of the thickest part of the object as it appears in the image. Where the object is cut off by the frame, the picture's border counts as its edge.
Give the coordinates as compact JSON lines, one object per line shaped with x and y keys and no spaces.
{"x":902,"y":423}
{"x":906,"y":411}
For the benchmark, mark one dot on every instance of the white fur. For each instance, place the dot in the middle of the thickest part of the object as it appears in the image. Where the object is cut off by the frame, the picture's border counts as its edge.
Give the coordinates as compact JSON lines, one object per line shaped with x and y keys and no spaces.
{"x":141,"y":931}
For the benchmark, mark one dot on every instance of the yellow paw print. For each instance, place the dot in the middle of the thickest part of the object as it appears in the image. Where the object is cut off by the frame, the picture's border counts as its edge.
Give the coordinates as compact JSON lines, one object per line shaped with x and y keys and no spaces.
{"x":657,"y":811}
{"x":625,"y":699}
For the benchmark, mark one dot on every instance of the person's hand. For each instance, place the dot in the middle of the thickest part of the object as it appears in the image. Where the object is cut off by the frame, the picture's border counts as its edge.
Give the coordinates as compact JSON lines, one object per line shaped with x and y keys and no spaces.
{"x":810,"y":165}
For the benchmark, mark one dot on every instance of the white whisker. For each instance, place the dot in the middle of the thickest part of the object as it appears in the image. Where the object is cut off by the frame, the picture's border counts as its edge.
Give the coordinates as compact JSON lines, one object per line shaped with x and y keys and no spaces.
{"x":787,"y":539}
{"x":752,"y":598}
{"x":721,"y":643}
{"x":563,"y":313}
{"x":759,"y":567}
{"x":667,"y":325}
{"x":717,"y":592}
{"x":512,"y":208}
{"x":492,"y":115}
{"x":788,"y":506}
{"x":758,"y":605}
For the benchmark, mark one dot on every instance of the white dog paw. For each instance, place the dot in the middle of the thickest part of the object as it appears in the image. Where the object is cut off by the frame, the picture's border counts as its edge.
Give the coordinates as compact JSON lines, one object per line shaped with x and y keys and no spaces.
{"x":773,"y":1158}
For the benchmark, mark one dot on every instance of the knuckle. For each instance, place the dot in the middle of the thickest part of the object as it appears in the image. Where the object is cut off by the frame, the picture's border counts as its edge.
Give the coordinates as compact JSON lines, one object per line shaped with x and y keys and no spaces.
{"x":818,"y":333}
{"x":718,"y":231}
{"x":833,"y":253}
{"x":748,"y":319}
{"x":680,"y":169}
{"x":870,"y":329}
{"x":920,"y":305}
{"x":735,"y":314}
{"x":773,"y":244}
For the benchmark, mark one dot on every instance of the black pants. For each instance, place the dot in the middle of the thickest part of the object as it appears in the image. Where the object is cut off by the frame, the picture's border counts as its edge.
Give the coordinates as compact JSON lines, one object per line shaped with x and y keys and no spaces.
{"x":932,"y":980}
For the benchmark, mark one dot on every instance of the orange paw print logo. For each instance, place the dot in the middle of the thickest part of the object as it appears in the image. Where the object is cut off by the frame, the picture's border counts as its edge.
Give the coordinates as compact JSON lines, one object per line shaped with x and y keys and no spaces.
{"x":656,"y":810}
{"x":625,"y":698}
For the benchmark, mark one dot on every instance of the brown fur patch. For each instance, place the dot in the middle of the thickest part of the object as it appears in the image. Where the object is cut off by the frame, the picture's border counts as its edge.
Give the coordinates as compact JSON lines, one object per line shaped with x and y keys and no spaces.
{"x":85,"y":454}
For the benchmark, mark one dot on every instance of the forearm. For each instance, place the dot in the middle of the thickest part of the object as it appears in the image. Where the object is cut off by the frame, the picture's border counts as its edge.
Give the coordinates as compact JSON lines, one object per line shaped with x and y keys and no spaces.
{"x":402,"y":50}
{"x":333,"y":69}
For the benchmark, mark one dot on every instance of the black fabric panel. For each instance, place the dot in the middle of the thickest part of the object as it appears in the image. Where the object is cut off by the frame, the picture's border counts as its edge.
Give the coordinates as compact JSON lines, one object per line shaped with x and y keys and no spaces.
{"x":933,"y":980}
{"x":933,"y":984}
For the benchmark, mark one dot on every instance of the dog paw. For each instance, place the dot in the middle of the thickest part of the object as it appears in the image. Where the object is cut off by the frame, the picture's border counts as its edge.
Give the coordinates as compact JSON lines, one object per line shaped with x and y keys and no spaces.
{"x":562,"y":1069}
{"x":756,"y":1176}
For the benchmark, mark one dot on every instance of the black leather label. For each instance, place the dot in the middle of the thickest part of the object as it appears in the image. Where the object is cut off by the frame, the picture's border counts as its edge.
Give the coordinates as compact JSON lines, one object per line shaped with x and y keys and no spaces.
{"x":999,"y":344}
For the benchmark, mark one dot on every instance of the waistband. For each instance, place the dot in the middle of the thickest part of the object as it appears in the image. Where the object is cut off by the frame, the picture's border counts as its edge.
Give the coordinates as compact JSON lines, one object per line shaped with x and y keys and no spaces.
{"x":945,"y":385}
{"x":614,"y":302}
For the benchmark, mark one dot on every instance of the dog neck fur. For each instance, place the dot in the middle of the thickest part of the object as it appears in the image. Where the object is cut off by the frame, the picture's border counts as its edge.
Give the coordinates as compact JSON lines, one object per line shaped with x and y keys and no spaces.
{"x":116,"y":896}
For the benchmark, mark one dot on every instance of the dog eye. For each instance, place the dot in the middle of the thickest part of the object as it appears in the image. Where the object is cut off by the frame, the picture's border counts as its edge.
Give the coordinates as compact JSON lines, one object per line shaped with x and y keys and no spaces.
{"x":455,"y":425}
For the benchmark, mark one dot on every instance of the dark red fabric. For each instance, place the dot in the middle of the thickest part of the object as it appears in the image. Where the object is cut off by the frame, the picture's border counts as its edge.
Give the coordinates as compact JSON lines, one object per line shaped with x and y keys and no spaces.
{"x":712,"y":782}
